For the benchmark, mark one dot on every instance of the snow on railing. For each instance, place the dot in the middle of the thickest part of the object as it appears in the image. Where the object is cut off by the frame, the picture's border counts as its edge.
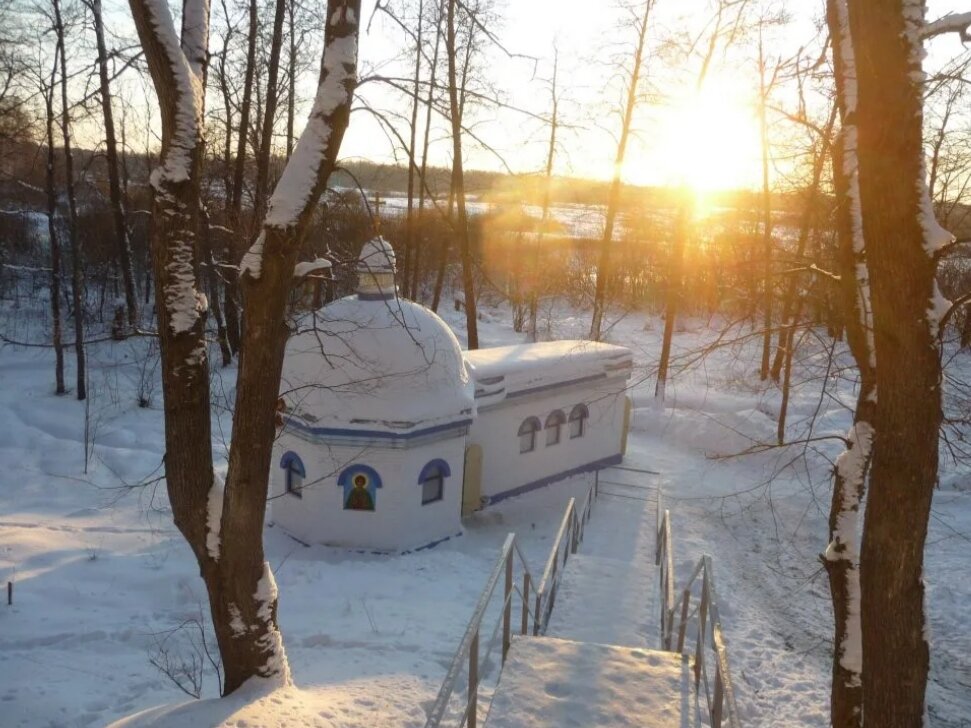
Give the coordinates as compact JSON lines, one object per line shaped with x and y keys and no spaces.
{"x":467,"y":658}
{"x":709,"y":637}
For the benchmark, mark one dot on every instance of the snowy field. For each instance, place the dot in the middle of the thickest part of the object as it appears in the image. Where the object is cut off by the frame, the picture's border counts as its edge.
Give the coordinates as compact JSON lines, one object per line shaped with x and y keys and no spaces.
{"x":102,"y":580}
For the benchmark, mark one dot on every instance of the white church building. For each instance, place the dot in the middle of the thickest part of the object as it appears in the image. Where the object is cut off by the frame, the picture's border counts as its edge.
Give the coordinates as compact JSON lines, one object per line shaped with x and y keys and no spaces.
{"x":390,"y":434}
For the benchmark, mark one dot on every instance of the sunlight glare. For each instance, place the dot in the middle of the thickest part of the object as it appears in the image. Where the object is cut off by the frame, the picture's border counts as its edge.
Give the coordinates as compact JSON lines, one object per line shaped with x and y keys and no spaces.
{"x":708,"y":141}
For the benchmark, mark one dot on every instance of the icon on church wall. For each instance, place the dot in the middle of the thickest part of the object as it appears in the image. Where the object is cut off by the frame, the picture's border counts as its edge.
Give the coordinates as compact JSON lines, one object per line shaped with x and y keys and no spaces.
{"x":359,"y":499}
{"x":360,"y":484}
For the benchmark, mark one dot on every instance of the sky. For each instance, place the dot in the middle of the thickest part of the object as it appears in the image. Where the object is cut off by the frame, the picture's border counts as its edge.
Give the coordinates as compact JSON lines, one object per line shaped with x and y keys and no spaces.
{"x":708,"y":139}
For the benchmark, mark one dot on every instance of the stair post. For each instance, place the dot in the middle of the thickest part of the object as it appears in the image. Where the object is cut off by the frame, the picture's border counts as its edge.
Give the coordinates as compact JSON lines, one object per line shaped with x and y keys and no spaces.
{"x":507,"y":610}
{"x":473,"y":706}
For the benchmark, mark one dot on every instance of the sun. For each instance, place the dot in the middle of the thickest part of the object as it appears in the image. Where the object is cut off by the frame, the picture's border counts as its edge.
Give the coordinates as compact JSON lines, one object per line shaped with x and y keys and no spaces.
{"x":707,"y":140}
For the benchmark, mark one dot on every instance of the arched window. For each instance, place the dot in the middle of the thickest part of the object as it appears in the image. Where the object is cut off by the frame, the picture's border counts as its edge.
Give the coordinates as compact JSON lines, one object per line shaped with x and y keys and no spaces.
{"x":294,"y":471}
{"x":578,"y":421}
{"x":554,"y":423}
{"x":527,"y":434}
{"x":432,"y":481}
{"x":360,"y":484}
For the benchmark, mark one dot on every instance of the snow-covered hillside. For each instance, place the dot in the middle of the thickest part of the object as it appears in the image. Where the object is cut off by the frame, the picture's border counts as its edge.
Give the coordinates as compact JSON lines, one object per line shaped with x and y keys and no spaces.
{"x":103,"y":583}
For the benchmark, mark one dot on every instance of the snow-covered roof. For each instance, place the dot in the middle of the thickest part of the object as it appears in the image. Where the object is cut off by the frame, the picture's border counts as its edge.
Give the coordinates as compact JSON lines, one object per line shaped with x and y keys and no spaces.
{"x":362,"y":365}
{"x":519,"y":369}
{"x":306,"y":268}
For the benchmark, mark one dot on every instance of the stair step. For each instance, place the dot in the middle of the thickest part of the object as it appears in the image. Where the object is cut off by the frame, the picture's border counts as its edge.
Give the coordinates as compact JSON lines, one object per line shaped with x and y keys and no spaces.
{"x":608,"y":601}
{"x":566,"y":684}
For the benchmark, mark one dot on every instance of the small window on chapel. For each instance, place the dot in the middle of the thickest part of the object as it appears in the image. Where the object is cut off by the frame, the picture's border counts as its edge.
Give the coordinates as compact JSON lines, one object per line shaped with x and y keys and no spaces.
{"x":554,"y":423}
{"x":527,"y":434}
{"x":294,"y":473}
{"x":578,"y":421}
{"x":432,"y":481}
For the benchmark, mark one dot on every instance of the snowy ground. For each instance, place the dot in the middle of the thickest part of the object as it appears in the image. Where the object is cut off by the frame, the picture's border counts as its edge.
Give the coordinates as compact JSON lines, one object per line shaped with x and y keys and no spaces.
{"x":101,"y":578}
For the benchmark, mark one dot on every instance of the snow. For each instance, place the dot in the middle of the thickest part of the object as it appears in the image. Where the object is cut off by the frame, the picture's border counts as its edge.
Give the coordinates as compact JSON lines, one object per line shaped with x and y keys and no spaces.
{"x":563,"y":684}
{"x":252,"y":261}
{"x":214,"y":515}
{"x":387,"y":365}
{"x":525,"y":366}
{"x":306,"y":268}
{"x":271,"y":642}
{"x":851,"y":171}
{"x":99,"y":569}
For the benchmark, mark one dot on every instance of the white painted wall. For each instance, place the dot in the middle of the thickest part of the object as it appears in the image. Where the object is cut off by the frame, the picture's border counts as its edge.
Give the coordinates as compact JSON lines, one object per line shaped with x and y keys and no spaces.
{"x":496,"y":429}
{"x":399,"y":522}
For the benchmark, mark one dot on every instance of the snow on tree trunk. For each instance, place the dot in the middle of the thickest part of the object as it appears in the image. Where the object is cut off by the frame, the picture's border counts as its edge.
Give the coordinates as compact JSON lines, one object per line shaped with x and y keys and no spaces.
{"x":902,"y":237}
{"x":229,"y":548}
{"x":849,"y":483}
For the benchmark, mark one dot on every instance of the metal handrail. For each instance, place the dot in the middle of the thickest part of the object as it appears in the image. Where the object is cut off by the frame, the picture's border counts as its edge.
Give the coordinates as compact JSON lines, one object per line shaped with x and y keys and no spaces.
{"x":570,"y":533}
{"x":720,"y":697}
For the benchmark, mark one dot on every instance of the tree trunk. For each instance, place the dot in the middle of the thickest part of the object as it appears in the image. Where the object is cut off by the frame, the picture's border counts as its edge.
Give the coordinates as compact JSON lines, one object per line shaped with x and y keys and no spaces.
{"x":673,"y":296}
{"x":462,"y":222}
{"x":291,"y":77}
{"x":613,"y":198}
{"x":53,"y":235}
{"x":77,"y":261}
{"x":788,"y":320}
{"x":416,"y":264}
{"x":412,"y":164}
{"x":269,"y":114}
{"x":233,"y":253}
{"x":228,"y":547}
{"x":114,"y":176}
{"x":545,"y":216}
{"x":767,"y":282}
{"x":902,"y":236}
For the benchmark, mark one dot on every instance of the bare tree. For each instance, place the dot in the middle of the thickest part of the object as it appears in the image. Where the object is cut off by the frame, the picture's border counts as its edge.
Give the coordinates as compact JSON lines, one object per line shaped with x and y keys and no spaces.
{"x":47,"y":89}
{"x":458,"y":180}
{"x":547,"y":191}
{"x":269,"y":113}
{"x":114,"y":169}
{"x":224,"y":525}
{"x":639,"y":15}
{"x":77,"y":260}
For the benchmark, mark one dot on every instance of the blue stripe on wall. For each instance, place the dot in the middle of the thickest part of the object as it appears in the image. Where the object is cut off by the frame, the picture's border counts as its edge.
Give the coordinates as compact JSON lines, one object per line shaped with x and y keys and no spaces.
{"x":543,"y":482}
{"x":376,"y":434}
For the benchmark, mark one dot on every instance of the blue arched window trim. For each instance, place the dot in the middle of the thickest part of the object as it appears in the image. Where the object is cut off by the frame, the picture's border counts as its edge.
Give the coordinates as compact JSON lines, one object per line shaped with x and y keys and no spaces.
{"x":432,"y":481}
{"x":346,"y":481}
{"x":432,"y":465}
{"x":295,"y":472}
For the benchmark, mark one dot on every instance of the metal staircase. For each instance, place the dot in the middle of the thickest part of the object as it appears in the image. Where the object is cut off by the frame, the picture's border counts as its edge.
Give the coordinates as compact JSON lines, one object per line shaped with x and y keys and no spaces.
{"x":617,"y":638}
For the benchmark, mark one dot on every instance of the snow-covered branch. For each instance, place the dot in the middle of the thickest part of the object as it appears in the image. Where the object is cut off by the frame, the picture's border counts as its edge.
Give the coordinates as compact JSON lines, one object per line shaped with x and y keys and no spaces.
{"x":306,"y":173}
{"x":163,"y":49}
{"x":959,"y":23}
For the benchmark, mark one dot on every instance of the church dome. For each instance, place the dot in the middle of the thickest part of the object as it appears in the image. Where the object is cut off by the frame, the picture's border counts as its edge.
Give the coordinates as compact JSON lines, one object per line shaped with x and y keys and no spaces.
{"x":377,"y":256}
{"x":374,"y":362}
